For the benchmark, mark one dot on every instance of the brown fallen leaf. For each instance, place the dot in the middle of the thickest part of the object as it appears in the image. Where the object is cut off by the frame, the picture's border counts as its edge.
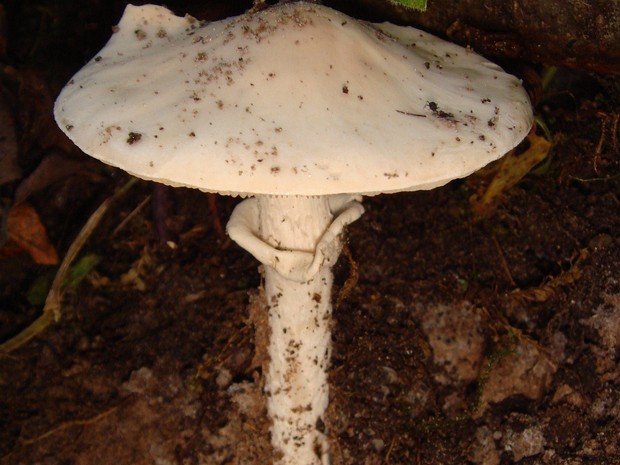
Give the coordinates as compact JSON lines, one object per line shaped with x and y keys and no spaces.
{"x":9,"y":169}
{"x":52,"y":310}
{"x":55,"y":167}
{"x":27,"y":233}
{"x":35,"y":113}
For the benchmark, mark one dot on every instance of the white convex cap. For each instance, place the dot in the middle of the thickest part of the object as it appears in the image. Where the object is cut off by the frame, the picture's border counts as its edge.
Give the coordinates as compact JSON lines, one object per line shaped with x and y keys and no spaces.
{"x":297,"y":99}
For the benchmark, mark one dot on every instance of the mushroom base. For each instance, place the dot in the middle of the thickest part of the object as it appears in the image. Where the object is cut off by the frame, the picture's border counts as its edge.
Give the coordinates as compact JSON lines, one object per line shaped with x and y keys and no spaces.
{"x":298,"y":240}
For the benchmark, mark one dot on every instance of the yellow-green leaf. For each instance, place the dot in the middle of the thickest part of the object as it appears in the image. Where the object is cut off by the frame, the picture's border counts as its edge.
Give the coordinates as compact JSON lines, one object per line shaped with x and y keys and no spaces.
{"x":512,"y":168}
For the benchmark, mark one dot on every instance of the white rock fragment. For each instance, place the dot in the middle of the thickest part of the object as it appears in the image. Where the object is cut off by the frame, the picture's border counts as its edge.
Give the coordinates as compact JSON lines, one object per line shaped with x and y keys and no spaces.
{"x":525,"y":370}
{"x":139,"y":381}
{"x":526,"y":443}
{"x":456,"y":338}
{"x":606,"y":322}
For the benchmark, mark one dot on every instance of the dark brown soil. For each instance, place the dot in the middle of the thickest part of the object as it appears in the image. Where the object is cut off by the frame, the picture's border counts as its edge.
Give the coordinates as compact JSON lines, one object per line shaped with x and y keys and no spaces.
{"x":464,"y":340}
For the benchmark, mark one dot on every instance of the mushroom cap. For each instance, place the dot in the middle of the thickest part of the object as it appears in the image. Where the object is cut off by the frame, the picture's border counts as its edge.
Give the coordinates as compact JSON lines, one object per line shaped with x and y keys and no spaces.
{"x":297,"y":99}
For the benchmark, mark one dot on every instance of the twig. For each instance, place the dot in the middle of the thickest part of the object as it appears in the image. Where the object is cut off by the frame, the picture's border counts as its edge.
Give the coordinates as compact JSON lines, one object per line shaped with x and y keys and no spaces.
{"x":587,"y":180}
{"x":68,"y":424}
{"x":614,"y":117}
{"x":63,"y":426}
{"x":52,"y":307}
{"x":351,"y":280}
{"x":217,"y":224}
{"x":503,"y":262}
{"x":131,"y":216}
{"x":389,"y":451}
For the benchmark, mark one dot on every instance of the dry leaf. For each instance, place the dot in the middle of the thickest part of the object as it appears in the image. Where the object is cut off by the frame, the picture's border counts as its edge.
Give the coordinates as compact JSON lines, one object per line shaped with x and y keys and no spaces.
{"x":548,"y":289}
{"x":3,"y":33}
{"x":512,"y":168}
{"x":37,"y":119}
{"x":9,"y":169}
{"x":26,"y":231}
{"x":53,"y":168}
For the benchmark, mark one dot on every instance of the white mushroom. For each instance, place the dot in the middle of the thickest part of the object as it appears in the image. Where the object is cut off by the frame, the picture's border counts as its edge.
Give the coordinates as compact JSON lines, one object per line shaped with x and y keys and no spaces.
{"x":305,"y":109}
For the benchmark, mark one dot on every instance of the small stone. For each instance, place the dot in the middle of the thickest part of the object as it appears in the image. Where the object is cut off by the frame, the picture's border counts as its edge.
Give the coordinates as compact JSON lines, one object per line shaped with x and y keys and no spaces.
{"x":378,"y":444}
{"x":549,"y":456}
{"x":139,"y":381}
{"x":526,"y":443}
{"x":391,"y":375}
{"x":248,"y":397}
{"x":456,"y":339}
{"x":482,"y":450}
{"x":224,"y":378}
{"x":565,"y":393}
{"x":606,"y":322}
{"x":526,"y":370}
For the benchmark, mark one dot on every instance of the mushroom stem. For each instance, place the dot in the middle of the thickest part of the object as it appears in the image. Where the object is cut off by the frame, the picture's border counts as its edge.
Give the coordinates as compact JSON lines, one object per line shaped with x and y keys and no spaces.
{"x":297,"y":238}
{"x":300,"y":341}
